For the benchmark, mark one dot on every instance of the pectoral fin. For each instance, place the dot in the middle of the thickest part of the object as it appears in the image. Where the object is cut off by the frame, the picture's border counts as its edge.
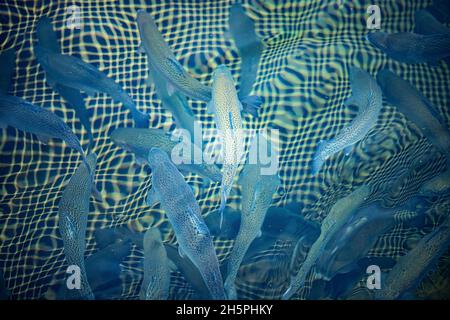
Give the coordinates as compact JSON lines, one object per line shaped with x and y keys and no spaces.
{"x":347,"y":150}
{"x":180,"y":252}
{"x":141,"y":48}
{"x":172,"y":266}
{"x":170,"y":89}
{"x":43,"y":139}
{"x":96,"y":193}
{"x":152,"y":197}
{"x":210,"y":107}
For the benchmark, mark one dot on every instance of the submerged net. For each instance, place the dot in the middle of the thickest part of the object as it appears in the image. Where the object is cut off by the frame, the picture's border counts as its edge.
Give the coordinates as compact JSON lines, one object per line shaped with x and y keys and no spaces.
{"x":303,"y":80}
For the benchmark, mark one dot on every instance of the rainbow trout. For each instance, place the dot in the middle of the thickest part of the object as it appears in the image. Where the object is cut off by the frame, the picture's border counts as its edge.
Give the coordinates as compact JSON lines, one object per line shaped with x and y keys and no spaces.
{"x":156,"y":283}
{"x":73,"y":213}
{"x":366,"y":94}
{"x":140,"y":141}
{"x":257,"y":193}
{"x":27,"y":117}
{"x":162,"y":61}
{"x":339,"y":215}
{"x":226,"y":108}
{"x":75,"y":73}
{"x":182,"y":210}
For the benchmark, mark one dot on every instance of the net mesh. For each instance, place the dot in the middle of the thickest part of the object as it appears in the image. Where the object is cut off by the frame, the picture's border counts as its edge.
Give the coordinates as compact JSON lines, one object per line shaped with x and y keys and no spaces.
{"x":303,"y":79}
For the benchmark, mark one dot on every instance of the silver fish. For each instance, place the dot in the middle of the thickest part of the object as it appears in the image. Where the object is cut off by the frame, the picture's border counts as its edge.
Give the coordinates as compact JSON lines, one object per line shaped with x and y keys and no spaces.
{"x":178,"y":202}
{"x":24,"y":116}
{"x":257,"y":193}
{"x":162,"y":61}
{"x":226,"y":108}
{"x":156,"y":283}
{"x":75,"y":73}
{"x":47,"y":39}
{"x":73,"y":213}
{"x":140,"y":141}
{"x":338,"y":216}
{"x":412,"y":48}
{"x":417,"y":109}
{"x":412,"y":267}
{"x":366,"y":94}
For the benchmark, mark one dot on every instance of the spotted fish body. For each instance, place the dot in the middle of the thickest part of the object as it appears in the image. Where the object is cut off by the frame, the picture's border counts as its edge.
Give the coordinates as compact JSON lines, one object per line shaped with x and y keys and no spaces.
{"x":47,"y":39}
{"x":412,"y":267}
{"x":73,"y":213}
{"x":178,"y":202}
{"x":75,"y":73}
{"x":257,"y":193}
{"x":139,"y":141}
{"x":412,"y":48}
{"x":366,"y":94}
{"x":162,"y":60}
{"x":24,"y":116}
{"x":417,"y":109}
{"x":226,"y":108}
{"x":155,"y":285}
{"x":339,"y":215}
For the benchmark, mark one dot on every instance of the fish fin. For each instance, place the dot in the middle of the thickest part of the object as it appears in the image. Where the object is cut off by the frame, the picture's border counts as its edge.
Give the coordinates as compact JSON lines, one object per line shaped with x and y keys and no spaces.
{"x":149,"y":80}
{"x":96,"y":193}
{"x":140,"y":161}
{"x":90,"y":92}
{"x":152,"y":197}
{"x":210,"y":107}
{"x":180,"y":252}
{"x":348,"y":149}
{"x":259,"y":234}
{"x":43,"y":139}
{"x":251,"y":104}
{"x":172,"y":266}
{"x":141,"y":49}
{"x":170,"y":89}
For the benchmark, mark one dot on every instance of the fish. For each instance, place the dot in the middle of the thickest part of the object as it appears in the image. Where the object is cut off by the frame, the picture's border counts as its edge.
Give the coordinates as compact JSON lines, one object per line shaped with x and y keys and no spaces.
{"x":162,"y":61}
{"x":439,"y":185}
{"x":107,"y":236}
{"x":249,"y":47}
{"x":103,"y":269}
{"x":46,"y":125}
{"x":411,"y":268}
{"x":183,"y":212}
{"x":47,"y":39}
{"x":73,"y":212}
{"x":189,"y":272}
{"x":412,"y":48}
{"x":257,"y":192}
{"x":417,"y":108}
{"x":425,"y":23}
{"x":366,"y":94}
{"x":156,"y":283}
{"x":73,"y":72}
{"x":338,"y":216}
{"x":7,"y":65}
{"x":139,"y":141}
{"x":226,"y":107}
{"x":352,"y":243}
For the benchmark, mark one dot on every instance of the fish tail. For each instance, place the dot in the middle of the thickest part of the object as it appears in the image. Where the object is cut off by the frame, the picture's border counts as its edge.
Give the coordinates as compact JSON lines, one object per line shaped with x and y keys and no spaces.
{"x":288,"y":293}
